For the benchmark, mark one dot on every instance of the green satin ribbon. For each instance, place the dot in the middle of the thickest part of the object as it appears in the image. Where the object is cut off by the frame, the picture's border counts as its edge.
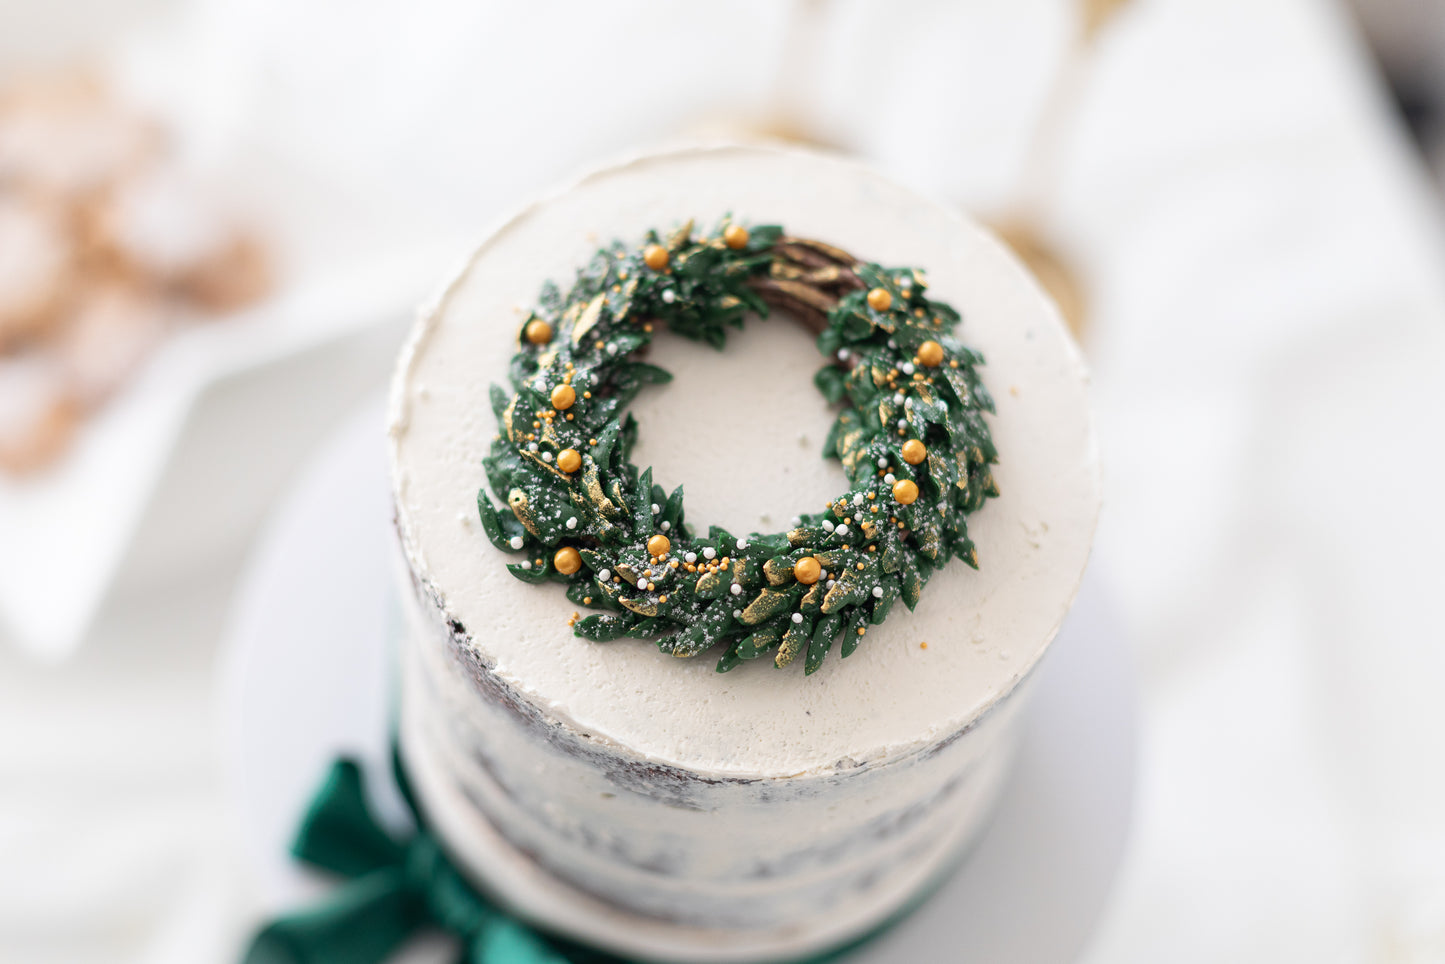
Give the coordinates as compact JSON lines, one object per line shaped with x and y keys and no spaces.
{"x":395,"y":888}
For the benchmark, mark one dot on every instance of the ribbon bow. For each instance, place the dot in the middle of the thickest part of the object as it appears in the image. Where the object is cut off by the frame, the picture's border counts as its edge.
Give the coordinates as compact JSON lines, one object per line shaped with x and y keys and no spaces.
{"x":394,"y":888}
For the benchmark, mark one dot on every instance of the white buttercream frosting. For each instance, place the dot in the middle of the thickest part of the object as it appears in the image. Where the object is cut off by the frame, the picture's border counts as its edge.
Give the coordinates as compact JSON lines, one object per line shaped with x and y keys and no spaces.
{"x":680,"y":813}
{"x":742,"y":429}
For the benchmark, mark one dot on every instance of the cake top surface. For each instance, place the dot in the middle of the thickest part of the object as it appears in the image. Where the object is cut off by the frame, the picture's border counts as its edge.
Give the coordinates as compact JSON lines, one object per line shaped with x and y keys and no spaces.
{"x":718,"y":430}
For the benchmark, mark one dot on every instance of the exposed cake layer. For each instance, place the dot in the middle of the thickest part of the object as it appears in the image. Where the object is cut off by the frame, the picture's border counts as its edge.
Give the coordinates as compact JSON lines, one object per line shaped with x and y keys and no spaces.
{"x":758,"y":800}
{"x":659,"y":863}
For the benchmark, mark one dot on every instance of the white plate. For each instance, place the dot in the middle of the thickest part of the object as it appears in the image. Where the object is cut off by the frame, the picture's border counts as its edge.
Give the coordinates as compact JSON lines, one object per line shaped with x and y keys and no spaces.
{"x":68,"y":529}
{"x":308,"y":674}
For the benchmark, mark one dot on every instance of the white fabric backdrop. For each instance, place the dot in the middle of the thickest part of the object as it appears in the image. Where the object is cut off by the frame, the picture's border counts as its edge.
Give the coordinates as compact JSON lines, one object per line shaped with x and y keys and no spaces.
{"x":1268,"y":335}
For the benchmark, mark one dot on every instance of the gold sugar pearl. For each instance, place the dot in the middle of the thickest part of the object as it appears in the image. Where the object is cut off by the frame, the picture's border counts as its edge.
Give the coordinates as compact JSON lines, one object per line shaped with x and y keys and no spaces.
{"x":659,"y":544}
{"x":736,"y":236}
{"x":567,"y":560}
{"x":655,"y":256}
{"x":538,"y":332}
{"x":930,"y":354}
{"x":569,"y":460}
{"x":914,"y":451}
{"x":563,"y":396}
{"x":905,"y":491}
{"x":807,"y":570}
{"x":879,"y":299}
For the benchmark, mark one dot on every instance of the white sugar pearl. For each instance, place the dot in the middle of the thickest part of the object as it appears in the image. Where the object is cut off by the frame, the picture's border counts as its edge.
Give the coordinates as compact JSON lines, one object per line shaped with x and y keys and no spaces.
{"x":903,"y":423}
{"x":908,"y":403}
{"x":797,"y":618}
{"x":690,"y":558}
{"x":572,"y":522}
{"x":656,"y":508}
{"x":857,"y":498}
{"x":827,"y":526}
{"x":842,"y":354}
{"x":832,"y":583}
{"x":604,"y":575}
{"x":877,"y":592}
{"x":669,"y":296}
{"x":531,"y":446}
{"x":546,"y":456}
{"x":795,"y":521}
{"x":899,"y":396}
{"x":882,"y":462}
{"x":742,"y":543}
{"x":666,"y":526}
{"x":527,"y":564}
{"x":908,"y":368}
{"x":892,"y":343}
{"x":842,"y":530}
{"x":515,"y":542}
{"x":709,"y":552}
{"x":737,"y":614}
{"x":736,"y":590}
{"x":889,"y":479}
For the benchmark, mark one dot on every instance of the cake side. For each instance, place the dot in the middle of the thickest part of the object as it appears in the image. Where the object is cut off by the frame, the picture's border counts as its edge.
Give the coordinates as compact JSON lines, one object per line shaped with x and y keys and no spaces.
{"x":665,"y":863}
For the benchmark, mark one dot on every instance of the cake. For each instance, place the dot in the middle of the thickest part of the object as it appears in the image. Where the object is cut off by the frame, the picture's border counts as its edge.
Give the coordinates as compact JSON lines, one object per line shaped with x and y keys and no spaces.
{"x":655,"y":807}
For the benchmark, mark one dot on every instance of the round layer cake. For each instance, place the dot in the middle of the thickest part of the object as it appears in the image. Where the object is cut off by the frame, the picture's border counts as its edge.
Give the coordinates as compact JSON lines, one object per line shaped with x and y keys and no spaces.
{"x":652,"y":805}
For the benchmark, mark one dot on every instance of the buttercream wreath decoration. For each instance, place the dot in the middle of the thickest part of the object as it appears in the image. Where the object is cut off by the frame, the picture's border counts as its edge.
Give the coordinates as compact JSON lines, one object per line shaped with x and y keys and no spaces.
{"x":910,"y":435}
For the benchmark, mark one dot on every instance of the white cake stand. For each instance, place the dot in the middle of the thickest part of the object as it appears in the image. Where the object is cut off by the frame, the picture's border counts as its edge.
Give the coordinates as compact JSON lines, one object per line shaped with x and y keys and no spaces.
{"x":308,"y":674}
